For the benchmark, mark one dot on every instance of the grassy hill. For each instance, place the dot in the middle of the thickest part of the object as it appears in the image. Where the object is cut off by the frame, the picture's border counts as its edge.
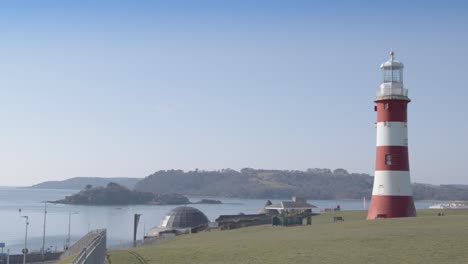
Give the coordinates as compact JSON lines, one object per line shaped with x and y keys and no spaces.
{"x":424,"y":239}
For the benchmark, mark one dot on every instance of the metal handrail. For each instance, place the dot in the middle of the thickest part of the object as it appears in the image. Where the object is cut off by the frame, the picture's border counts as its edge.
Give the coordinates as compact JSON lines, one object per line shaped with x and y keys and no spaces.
{"x":81,"y":258}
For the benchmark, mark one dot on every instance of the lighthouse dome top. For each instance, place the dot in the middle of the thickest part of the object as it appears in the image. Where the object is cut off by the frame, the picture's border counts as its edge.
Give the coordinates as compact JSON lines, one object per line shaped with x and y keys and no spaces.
{"x":392,"y":80}
{"x":391,"y":63}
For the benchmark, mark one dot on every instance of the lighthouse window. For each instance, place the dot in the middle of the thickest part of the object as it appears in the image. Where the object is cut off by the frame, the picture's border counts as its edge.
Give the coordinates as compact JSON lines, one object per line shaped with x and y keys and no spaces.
{"x":396,"y":75}
{"x":387,"y":75}
{"x":388,"y":159}
{"x":392,"y":75}
{"x":386,"y":106}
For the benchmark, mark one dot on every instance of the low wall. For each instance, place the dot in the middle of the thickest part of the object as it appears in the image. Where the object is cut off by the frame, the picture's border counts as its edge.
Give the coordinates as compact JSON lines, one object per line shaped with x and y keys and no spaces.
{"x":33,"y":257}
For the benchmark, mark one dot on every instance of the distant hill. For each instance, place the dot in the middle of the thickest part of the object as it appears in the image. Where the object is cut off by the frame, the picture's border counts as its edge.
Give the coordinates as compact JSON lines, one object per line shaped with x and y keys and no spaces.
{"x":79,"y":183}
{"x":255,"y":183}
{"x":252,"y":183}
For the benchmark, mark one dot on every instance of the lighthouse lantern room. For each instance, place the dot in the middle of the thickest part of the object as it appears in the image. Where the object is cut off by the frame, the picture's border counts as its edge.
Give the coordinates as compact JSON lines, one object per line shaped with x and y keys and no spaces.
{"x":391,"y":194}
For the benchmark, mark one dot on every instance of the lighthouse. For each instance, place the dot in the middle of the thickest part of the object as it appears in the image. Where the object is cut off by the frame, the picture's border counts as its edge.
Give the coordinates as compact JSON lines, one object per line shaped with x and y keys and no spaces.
{"x":391,"y":194}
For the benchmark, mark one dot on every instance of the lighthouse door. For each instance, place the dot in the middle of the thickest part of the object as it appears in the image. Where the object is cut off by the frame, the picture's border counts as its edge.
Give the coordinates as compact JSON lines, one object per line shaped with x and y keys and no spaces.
{"x":381,"y":189}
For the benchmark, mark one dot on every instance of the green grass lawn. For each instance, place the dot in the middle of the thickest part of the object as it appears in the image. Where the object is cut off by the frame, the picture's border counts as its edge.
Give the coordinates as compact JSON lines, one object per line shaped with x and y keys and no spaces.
{"x":424,"y":239}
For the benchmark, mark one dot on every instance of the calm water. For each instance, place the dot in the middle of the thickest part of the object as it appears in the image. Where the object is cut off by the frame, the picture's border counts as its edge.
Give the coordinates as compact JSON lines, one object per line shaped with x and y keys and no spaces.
{"x":117,"y":220}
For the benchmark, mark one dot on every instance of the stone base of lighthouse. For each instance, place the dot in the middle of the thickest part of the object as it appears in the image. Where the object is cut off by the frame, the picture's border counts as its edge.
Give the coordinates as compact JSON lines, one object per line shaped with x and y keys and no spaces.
{"x":386,"y":206}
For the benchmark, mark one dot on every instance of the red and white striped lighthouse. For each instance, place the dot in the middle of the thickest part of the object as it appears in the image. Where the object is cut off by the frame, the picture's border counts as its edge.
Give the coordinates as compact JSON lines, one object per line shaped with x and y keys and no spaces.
{"x":392,"y":195}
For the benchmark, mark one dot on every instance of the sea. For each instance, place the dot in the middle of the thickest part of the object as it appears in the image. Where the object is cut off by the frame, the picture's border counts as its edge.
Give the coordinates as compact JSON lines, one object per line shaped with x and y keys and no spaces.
{"x":16,"y":202}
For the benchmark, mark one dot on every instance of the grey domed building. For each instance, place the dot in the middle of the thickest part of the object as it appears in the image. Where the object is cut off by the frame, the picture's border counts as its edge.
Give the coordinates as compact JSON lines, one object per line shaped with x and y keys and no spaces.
{"x":181,"y":220}
{"x":184,"y":217}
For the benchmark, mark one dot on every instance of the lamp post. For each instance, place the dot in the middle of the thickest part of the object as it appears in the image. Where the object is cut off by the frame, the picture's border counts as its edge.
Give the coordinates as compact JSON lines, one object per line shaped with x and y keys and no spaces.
{"x":69,"y":228}
{"x":44,"y":231}
{"x":25,"y":250}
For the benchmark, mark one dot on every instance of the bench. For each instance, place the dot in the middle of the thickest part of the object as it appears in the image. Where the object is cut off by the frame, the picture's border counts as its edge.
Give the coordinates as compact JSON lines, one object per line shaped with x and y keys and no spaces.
{"x":338,"y":219}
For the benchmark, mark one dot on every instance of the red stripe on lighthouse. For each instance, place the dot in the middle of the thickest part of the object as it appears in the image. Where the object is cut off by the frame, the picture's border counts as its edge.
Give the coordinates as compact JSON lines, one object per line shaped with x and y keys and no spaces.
{"x":387,"y":206}
{"x":392,"y":158}
{"x":391,"y":110}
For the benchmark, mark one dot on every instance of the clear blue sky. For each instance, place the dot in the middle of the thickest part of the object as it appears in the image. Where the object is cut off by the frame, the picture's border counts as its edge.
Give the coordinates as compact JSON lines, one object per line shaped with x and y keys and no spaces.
{"x":126,"y":88}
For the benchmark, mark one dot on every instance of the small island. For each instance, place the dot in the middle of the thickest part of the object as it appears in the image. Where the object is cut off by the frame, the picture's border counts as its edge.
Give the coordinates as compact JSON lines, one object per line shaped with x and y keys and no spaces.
{"x":208,"y":201}
{"x":115,"y":194}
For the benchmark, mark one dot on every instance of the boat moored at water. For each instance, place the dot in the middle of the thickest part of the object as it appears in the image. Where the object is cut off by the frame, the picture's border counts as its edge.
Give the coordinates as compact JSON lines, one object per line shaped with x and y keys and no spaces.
{"x":450,"y":205}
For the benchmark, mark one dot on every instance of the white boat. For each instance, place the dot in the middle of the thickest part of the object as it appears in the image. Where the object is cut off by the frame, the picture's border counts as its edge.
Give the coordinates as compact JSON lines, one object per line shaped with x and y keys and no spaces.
{"x":450,"y":205}
{"x":437,"y":206}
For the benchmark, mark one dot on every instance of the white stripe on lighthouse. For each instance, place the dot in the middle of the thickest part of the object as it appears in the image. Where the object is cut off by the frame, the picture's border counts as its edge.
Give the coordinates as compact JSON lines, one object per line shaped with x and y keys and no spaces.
{"x":392,"y":134}
{"x":395,"y":183}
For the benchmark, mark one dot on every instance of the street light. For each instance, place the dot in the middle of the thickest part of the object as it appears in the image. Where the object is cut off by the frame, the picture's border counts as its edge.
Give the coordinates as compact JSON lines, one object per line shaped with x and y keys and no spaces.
{"x":43,"y":234}
{"x":69,"y":227}
{"x":25,"y":250}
